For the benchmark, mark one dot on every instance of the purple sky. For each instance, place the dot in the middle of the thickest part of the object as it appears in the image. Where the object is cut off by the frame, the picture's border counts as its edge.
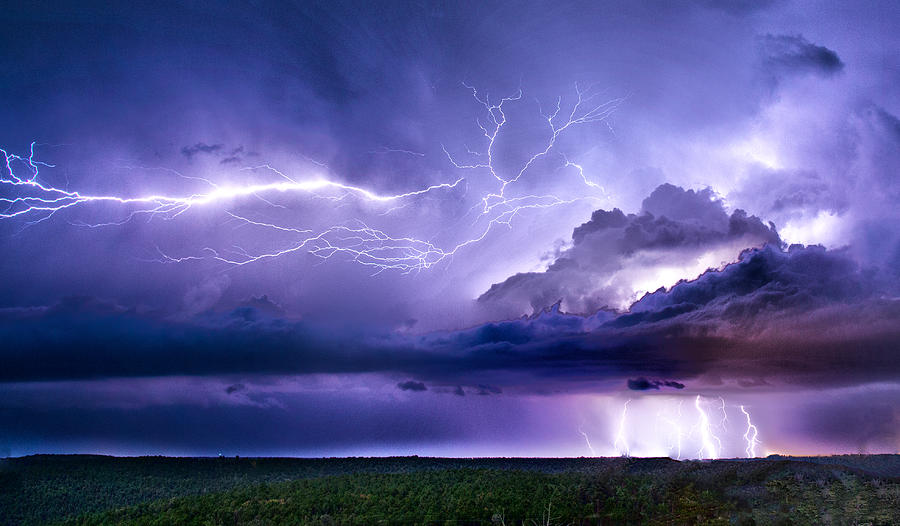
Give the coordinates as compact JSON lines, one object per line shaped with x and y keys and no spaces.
{"x":518,"y":228}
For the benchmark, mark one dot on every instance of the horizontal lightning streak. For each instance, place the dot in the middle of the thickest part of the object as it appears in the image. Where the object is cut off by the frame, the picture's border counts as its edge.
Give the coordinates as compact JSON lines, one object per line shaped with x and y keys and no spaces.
{"x":29,"y":198}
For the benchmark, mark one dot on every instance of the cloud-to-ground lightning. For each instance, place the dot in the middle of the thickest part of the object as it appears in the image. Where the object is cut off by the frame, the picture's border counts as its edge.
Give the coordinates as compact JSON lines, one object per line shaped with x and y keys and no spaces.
{"x":676,"y":434}
{"x":656,"y":425}
{"x":708,"y":448}
{"x":587,"y":441}
{"x":620,"y":443}
{"x":751,"y":435}
{"x":30,"y":198}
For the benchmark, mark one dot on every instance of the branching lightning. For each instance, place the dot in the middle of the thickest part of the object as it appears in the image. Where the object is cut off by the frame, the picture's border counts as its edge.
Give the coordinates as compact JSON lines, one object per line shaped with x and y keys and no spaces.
{"x":50,"y":200}
{"x":585,"y":110}
{"x":28,"y":197}
{"x":708,"y":449}
{"x":751,"y":435}
{"x":676,"y":434}
{"x":656,"y":425}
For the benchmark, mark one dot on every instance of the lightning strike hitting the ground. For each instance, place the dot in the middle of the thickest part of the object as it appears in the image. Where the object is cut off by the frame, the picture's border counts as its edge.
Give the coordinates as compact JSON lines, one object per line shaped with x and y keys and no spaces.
{"x":654,"y":426}
{"x":706,"y":435}
{"x":676,"y":431}
{"x":751,"y":435}
{"x":621,"y":441}
{"x":30,"y":199}
{"x":587,"y":441}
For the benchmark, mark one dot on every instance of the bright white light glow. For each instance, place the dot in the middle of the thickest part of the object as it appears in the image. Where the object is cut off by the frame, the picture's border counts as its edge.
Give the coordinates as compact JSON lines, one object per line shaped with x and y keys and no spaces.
{"x":660,"y":425}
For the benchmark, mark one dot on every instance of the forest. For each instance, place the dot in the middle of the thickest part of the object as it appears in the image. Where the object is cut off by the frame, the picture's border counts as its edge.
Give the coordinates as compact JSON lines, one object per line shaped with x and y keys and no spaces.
{"x":93,"y":490}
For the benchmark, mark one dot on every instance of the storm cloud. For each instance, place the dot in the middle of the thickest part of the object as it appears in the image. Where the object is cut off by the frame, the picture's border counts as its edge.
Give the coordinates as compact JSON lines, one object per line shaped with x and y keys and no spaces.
{"x":411,"y":385}
{"x":643,"y":384}
{"x":801,"y":316}
{"x":788,"y":54}
{"x":200,"y":147}
{"x":609,"y":253}
{"x":728,"y":226}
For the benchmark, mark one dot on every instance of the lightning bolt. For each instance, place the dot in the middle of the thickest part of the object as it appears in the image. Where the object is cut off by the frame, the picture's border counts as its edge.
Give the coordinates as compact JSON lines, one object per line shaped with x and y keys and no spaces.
{"x":585,"y":110}
{"x":50,"y":200}
{"x":676,"y":434}
{"x":724,"y":422}
{"x":621,"y":441}
{"x":668,"y":431}
{"x":30,"y":198}
{"x":706,"y":435}
{"x":751,"y":435}
{"x":587,"y":441}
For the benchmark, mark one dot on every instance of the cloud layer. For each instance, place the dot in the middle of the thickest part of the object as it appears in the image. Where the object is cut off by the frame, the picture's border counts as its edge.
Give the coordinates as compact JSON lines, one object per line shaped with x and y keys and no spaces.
{"x":612,"y":254}
{"x":730,"y":115}
{"x":803,"y":316}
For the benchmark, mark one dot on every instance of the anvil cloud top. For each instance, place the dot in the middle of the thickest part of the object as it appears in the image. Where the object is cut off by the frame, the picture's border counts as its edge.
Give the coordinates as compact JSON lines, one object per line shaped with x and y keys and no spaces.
{"x":477,"y":228}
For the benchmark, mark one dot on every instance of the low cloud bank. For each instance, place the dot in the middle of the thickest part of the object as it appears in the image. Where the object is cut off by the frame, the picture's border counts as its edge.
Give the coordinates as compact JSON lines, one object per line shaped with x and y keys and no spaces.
{"x":801,"y":316}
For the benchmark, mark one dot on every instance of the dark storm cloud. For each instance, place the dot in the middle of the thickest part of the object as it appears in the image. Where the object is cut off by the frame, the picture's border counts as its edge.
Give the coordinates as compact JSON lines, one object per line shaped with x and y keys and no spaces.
{"x":236,"y":156}
{"x":674,"y":225}
{"x":890,"y":122}
{"x":644,"y":384}
{"x":131,"y":83}
{"x":803,"y":316}
{"x":314,"y":422}
{"x":641,"y":384}
{"x":792,"y":54}
{"x":200,"y":147}
{"x":336,"y":80}
{"x":485,"y":390}
{"x":739,"y":7}
{"x":411,"y":385}
{"x":233,"y":388}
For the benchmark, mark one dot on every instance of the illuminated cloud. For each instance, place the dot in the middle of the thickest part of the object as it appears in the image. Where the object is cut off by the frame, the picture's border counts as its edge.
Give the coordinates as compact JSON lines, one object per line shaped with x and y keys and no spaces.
{"x":673,"y":237}
{"x":149,"y":335}
{"x":788,"y":317}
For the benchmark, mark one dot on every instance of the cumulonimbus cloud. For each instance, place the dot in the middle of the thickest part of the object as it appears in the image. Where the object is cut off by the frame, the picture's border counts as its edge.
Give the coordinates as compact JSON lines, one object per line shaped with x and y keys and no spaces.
{"x":804,"y":315}
{"x":613,"y":253}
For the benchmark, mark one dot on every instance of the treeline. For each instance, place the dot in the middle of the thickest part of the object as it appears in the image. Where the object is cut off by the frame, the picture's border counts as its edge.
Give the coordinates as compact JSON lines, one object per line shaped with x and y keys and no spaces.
{"x":487,"y":497}
{"x":411,"y":490}
{"x":41,"y":488}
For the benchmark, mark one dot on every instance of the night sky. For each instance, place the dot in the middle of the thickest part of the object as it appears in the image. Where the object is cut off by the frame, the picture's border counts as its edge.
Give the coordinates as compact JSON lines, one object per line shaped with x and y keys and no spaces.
{"x":450,"y":228}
